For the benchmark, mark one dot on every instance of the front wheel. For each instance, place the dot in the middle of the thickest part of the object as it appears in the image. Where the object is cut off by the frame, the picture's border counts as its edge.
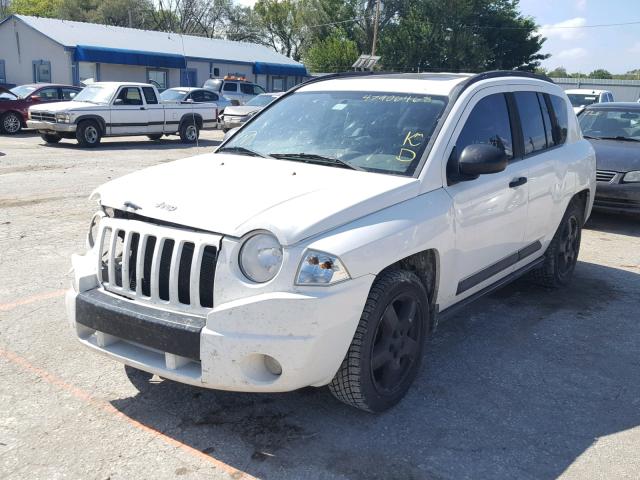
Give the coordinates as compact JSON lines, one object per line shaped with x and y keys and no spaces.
{"x":88,"y":134}
{"x":562,"y":254}
{"x":386,"y":350}
{"x":51,"y":137}
{"x":189,"y":132}
{"x":11,"y":123}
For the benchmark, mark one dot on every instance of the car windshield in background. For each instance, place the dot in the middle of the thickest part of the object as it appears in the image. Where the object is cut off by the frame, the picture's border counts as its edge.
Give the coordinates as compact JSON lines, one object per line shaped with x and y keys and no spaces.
{"x":96,"y":94}
{"x":261,"y":100}
{"x":22,"y":91}
{"x":213,"y":84}
{"x":581,"y":99}
{"x":620,"y":124}
{"x":378,"y":132}
{"x":173,"y":95}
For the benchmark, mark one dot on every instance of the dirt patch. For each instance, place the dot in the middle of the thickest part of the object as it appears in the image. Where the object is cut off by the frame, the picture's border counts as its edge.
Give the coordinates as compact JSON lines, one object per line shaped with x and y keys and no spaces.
{"x":14,"y":202}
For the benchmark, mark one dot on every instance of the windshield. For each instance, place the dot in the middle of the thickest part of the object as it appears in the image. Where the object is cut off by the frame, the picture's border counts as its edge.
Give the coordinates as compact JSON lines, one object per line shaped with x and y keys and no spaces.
{"x":213,"y":84}
{"x":378,"y":132}
{"x":173,"y":95}
{"x":261,"y":100}
{"x":609,"y":123}
{"x":96,"y":94}
{"x":582,"y":99}
{"x":23,"y":91}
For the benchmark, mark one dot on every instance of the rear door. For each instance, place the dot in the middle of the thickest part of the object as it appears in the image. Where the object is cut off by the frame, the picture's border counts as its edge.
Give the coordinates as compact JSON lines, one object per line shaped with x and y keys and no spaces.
{"x":129,"y":115}
{"x":490,"y":212}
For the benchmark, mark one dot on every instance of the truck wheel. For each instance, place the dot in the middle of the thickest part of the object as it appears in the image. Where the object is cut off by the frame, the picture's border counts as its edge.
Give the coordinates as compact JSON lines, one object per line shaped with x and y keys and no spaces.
{"x":386,"y":350}
{"x":155,"y":136}
{"x":50,"y":137}
{"x":562,"y":254}
{"x":88,"y":133}
{"x":138,"y":378}
{"x":11,"y":123}
{"x":189,"y":132}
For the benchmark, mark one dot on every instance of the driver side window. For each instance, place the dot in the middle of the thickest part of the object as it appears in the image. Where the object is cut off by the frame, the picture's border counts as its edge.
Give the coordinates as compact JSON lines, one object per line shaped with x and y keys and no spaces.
{"x":130,"y":96}
{"x":489,"y":124}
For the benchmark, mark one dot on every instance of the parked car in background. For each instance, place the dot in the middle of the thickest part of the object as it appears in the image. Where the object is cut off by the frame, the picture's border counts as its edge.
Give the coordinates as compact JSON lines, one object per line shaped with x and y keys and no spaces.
{"x":195,"y":95}
{"x":581,"y":97}
{"x":614,"y":131}
{"x":235,"y":88}
{"x":113,"y":109}
{"x":15,"y":102}
{"x":321,"y":243}
{"x":235,"y":116}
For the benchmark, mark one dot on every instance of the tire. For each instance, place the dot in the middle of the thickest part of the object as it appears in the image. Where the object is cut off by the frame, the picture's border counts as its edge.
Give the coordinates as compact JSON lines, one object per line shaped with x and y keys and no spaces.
{"x":50,"y":137}
{"x":562,"y":254}
{"x":189,"y":132}
{"x":155,"y":136}
{"x":88,"y":134}
{"x":386,"y":351}
{"x":10,"y":123}
{"x":139,"y":378}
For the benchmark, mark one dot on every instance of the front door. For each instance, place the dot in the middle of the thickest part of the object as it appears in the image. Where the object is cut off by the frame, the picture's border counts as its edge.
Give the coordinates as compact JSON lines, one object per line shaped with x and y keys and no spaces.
{"x":129,"y":114}
{"x":490,"y":212}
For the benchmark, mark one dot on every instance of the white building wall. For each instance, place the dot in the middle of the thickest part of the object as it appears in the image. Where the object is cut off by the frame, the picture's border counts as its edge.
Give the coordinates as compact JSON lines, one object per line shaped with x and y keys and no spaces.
{"x":202,"y":69}
{"x":19,"y":51}
{"x":122,"y":73}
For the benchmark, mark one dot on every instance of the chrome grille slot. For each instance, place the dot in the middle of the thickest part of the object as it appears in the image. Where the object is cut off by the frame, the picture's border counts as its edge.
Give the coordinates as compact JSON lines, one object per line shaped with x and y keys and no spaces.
{"x":43,"y":116}
{"x":605,"y":175}
{"x":158,"y":265}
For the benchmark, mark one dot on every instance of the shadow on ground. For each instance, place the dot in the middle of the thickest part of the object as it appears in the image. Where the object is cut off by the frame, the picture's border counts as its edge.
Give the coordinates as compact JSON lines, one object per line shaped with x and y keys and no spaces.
{"x":517,"y":385}
{"x":162,"y":144}
{"x":620,"y":223}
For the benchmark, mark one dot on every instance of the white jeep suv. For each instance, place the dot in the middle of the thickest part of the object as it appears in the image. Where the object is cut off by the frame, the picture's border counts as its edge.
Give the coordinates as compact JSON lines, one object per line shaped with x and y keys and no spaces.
{"x":321,"y":243}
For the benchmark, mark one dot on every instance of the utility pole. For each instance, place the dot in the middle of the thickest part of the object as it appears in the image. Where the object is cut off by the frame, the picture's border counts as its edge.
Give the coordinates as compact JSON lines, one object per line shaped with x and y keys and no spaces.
{"x":375,"y":28}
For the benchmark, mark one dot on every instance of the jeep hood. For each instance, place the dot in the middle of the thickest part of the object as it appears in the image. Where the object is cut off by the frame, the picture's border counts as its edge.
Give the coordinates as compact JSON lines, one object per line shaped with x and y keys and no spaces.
{"x":234,"y":195}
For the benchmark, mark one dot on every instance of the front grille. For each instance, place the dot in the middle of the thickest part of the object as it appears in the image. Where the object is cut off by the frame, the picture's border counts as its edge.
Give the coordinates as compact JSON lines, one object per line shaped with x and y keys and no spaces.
{"x":43,"y":116}
{"x":154,"y":264}
{"x":605,"y":175}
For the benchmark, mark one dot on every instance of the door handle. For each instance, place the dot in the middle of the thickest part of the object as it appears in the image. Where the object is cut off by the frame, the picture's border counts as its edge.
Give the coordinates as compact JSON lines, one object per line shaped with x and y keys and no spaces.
{"x":517,"y":182}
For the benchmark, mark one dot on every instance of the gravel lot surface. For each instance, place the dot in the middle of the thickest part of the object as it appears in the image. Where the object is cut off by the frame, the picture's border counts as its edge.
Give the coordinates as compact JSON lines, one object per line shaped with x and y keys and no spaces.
{"x":526,"y":383}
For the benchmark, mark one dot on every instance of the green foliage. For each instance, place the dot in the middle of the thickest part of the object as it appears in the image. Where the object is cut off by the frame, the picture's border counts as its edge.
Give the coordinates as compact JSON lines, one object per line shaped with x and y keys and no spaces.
{"x":282,"y":25}
{"x":335,"y":53}
{"x":559,"y":72}
{"x":600,"y":73}
{"x":37,"y":8}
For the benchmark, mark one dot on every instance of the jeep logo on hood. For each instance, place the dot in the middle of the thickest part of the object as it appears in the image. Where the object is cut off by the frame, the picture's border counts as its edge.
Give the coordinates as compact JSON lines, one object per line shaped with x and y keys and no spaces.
{"x":166,"y":206}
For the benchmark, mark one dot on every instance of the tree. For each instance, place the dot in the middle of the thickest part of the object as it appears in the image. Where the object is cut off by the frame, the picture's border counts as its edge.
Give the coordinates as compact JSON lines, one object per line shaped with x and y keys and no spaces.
{"x":36,"y":8}
{"x":600,"y":73}
{"x":333,"y":54}
{"x":472,"y":35}
{"x":282,"y":26}
{"x":559,"y":72}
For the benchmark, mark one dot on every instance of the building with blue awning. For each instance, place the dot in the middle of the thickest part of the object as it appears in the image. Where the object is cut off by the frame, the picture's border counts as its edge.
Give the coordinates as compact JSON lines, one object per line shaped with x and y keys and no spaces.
{"x":37,"y":49}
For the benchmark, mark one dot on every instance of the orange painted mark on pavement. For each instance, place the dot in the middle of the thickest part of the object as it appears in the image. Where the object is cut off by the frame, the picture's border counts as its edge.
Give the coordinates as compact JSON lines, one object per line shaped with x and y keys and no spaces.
{"x":5,"y":307}
{"x":110,"y":409}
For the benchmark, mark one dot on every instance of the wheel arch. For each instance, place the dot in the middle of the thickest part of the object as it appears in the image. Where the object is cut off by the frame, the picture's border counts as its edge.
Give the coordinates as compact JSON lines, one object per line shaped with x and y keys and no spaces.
{"x":426,"y":265}
{"x":583,"y":197}
{"x":97,"y":118}
{"x":190,"y":117}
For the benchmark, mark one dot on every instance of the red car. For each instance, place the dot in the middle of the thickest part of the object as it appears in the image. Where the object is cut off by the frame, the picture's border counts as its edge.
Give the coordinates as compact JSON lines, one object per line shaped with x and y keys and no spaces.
{"x":15,"y":103}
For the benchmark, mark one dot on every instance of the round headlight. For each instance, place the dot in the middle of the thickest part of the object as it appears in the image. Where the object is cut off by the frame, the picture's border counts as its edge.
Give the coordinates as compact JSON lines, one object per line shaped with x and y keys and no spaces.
{"x":260,"y":257}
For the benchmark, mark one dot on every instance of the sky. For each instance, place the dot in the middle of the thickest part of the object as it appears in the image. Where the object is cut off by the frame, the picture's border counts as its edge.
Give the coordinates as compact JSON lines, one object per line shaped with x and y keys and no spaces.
{"x":616,"y":48}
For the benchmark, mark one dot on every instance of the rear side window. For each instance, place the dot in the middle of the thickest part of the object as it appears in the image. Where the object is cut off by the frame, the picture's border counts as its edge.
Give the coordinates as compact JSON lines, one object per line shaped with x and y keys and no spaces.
{"x":561,"y":119}
{"x":488,"y":123}
{"x":197,"y":96}
{"x":535,"y":138}
{"x":69,"y":93}
{"x":246,"y":88}
{"x":546,"y":116}
{"x":209,"y":97}
{"x":149,"y":95}
{"x":230,"y":87}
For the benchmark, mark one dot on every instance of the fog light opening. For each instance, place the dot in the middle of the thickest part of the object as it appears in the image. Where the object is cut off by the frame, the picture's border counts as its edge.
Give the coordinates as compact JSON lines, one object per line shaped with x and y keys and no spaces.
{"x":272,"y":365}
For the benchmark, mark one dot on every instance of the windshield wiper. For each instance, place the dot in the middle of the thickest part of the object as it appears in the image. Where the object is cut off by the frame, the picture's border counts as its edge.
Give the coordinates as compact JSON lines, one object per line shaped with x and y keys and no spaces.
{"x":592,"y":137}
{"x":241,"y":151}
{"x":318,"y":159}
{"x":620,"y":137}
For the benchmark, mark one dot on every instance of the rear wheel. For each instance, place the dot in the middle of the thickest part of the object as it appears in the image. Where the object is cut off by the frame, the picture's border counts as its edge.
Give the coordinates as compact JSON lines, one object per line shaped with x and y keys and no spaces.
{"x":189,"y":132}
{"x":88,"y":134}
{"x":386,"y":351}
{"x":562,"y":254}
{"x":50,"y":137}
{"x":11,"y":123}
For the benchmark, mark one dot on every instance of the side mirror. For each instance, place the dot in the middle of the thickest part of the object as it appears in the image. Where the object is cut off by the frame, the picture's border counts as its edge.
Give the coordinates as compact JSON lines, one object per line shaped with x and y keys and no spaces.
{"x":118,"y":101}
{"x":188,"y":100}
{"x":34,"y":98}
{"x":481,"y":159}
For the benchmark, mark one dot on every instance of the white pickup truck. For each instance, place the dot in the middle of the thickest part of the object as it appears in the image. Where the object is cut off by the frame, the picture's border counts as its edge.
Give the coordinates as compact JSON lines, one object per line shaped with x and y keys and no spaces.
{"x":109,"y":109}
